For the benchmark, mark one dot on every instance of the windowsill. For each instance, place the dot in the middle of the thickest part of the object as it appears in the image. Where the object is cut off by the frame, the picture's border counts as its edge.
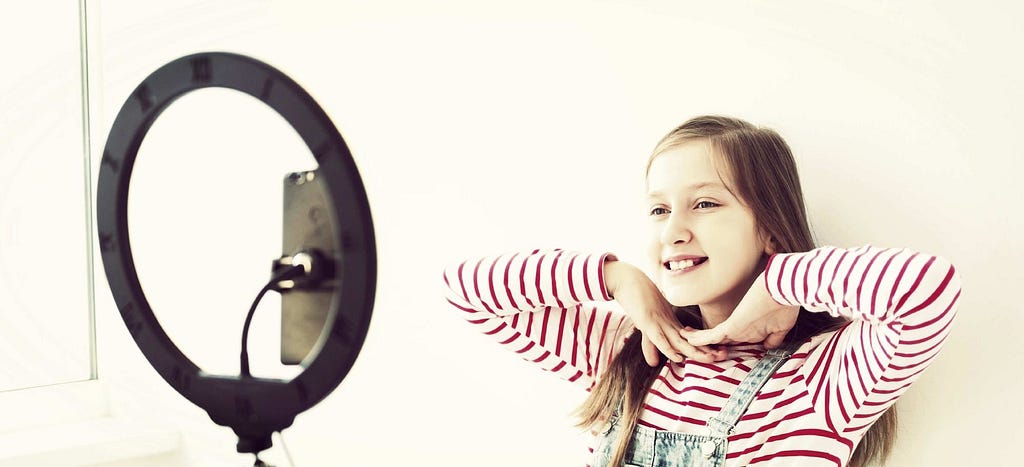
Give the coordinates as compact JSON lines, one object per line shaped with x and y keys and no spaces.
{"x":70,"y":424}
{"x":91,"y":442}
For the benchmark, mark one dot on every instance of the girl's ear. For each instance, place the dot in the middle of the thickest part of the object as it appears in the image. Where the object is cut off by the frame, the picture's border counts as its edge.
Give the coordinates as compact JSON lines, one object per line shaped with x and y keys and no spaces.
{"x":769,"y":246}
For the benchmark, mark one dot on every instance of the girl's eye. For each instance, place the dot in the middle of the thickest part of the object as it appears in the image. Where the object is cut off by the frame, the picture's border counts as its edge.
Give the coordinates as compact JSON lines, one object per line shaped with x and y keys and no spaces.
{"x":659,"y":211}
{"x":708,"y":203}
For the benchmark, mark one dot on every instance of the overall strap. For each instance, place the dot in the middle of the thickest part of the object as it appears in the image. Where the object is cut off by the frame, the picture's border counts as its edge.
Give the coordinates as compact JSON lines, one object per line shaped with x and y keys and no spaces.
{"x":722,"y":424}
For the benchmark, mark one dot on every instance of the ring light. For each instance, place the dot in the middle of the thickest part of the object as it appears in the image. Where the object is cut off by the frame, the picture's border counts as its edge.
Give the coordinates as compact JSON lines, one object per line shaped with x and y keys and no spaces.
{"x":253,"y":407}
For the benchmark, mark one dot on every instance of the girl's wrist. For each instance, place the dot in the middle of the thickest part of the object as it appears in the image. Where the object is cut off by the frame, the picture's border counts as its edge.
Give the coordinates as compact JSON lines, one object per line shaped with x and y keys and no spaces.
{"x":616,"y":273}
{"x":612,"y":270}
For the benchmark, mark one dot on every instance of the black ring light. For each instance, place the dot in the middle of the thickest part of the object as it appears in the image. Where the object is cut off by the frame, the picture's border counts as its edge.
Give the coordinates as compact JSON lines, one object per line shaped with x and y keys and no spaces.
{"x":253,"y":407}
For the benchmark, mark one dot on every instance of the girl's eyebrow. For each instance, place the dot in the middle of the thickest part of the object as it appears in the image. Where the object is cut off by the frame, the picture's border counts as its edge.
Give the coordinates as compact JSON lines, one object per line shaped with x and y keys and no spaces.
{"x":693,"y":187}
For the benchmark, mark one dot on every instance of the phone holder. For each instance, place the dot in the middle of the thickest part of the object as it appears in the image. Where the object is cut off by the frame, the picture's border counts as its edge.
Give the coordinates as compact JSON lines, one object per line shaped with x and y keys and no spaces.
{"x":253,"y":407}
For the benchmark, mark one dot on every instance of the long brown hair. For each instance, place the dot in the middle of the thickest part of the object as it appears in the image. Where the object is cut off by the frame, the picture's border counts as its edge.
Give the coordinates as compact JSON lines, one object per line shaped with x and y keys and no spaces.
{"x":760,"y":171}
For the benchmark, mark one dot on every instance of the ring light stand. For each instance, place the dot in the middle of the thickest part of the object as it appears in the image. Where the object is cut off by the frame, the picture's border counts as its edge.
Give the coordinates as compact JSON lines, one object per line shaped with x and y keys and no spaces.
{"x":253,"y":407}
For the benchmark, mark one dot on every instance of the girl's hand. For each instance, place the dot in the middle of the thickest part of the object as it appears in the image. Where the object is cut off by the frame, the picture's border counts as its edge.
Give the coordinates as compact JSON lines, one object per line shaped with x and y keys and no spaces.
{"x":653,"y":316}
{"x":757,"y":318}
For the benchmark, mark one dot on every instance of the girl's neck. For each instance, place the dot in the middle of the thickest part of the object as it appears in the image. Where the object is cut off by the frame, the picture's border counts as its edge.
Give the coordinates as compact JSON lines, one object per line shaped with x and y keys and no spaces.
{"x":713,"y":314}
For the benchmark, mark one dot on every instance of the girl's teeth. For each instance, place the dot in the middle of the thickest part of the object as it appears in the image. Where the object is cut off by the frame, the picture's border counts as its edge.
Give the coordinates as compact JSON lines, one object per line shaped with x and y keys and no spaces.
{"x":674,"y":265}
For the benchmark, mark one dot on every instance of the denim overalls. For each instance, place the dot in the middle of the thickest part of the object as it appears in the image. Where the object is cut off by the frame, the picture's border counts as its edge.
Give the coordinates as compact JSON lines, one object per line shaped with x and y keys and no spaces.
{"x":655,"y":448}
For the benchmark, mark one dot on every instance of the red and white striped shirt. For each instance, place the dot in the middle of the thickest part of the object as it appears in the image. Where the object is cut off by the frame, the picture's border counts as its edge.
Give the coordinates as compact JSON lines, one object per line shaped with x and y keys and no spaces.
{"x":552,"y":308}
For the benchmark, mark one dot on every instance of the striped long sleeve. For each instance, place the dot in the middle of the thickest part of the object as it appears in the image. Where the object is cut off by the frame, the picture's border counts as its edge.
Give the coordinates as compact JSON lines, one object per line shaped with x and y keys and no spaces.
{"x":547,"y":306}
{"x":552,"y":309}
{"x":901,"y":304}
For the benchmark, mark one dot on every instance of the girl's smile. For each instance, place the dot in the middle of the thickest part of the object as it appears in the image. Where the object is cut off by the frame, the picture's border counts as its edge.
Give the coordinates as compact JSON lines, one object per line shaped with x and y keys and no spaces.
{"x":683,"y":264}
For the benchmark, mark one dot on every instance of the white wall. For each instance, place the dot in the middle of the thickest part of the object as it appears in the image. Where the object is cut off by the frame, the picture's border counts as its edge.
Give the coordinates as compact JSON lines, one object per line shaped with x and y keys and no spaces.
{"x":487,"y":129}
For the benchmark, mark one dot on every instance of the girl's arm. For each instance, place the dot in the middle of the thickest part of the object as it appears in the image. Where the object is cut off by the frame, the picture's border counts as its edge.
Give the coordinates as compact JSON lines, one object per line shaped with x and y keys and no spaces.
{"x":549,"y":307}
{"x":901,"y":304}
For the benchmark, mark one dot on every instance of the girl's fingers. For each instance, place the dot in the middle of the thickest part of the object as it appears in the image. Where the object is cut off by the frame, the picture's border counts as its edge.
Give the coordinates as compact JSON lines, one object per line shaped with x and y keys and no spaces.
{"x":678,"y":341}
{"x":705,"y":337}
{"x":774,"y":340}
{"x":650,"y":351}
{"x":678,"y":338}
{"x":702,"y":353}
{"x":661,"y":341}
{"x":655,"y":344}
{"x":714,"y":353}
{"x":699,"y":354}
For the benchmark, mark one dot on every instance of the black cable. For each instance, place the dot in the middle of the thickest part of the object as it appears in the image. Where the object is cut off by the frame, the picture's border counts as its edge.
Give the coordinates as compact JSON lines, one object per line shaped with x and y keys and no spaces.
{"x":284,"y":274}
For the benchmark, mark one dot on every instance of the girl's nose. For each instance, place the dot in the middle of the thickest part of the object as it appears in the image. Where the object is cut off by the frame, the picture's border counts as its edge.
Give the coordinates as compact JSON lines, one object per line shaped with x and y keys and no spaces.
{"x":676,"y":230}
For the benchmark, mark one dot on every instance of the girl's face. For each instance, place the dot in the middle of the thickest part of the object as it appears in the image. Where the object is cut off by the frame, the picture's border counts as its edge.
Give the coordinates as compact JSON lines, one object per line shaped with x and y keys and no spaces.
{"x":705,"y":244}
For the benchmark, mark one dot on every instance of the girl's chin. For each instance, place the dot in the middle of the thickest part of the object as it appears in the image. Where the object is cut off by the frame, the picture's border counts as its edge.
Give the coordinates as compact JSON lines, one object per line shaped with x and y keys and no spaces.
{"x":680,"y":298}
{"x":680,"y":295}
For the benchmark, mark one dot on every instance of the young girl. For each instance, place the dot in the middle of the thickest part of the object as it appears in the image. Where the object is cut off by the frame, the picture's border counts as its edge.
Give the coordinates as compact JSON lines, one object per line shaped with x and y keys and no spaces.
{"x":778,"y":353}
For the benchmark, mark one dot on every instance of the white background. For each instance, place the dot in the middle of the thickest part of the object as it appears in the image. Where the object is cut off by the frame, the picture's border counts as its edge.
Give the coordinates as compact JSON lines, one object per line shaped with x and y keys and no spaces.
{"x":484,"y":129}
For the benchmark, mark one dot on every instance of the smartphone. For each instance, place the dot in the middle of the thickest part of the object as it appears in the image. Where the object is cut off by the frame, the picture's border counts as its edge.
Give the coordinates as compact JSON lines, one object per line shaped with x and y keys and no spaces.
{"x":308,"y":224}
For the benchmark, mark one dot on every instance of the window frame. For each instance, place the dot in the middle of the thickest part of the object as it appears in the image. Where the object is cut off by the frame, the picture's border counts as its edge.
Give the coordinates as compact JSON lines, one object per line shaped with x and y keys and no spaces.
{"x":67,"y":402}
